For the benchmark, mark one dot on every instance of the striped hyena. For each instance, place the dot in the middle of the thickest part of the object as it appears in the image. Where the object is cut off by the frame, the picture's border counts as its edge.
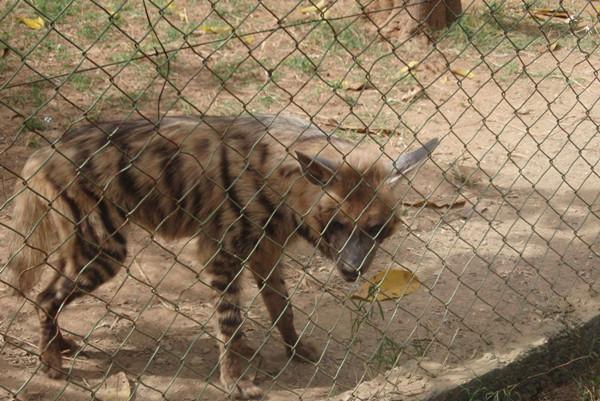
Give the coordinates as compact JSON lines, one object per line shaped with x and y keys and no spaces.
{"x":243,"y":186}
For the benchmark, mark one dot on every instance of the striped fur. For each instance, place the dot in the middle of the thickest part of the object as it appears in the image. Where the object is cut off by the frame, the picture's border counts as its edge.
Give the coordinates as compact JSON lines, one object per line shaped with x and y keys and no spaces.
{"x":244,"y":187}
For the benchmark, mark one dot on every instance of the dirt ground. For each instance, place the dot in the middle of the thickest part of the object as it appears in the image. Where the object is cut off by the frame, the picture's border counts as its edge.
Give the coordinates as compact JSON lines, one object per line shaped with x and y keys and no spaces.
{"x":506,"y":248}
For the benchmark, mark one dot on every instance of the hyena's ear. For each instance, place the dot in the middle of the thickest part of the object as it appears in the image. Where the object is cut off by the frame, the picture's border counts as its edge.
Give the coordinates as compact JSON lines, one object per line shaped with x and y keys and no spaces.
{"x":316,"y":169}
{"x":411,"y":160}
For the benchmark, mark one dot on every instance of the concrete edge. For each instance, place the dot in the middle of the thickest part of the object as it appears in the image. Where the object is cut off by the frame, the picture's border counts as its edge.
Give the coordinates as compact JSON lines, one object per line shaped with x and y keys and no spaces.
{"x":568,"y":354}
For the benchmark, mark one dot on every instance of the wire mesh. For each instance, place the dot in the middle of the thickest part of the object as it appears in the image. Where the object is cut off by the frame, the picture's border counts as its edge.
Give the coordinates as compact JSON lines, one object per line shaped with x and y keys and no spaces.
{"x":496,"y":246}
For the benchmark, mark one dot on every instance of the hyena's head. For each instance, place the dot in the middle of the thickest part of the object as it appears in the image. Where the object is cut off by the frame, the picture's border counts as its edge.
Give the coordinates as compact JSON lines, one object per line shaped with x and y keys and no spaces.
{"x":356,"y":210}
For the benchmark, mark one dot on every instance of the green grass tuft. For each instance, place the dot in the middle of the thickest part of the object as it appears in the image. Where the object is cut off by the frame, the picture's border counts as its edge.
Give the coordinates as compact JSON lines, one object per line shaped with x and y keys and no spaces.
{"x":300,"y":63}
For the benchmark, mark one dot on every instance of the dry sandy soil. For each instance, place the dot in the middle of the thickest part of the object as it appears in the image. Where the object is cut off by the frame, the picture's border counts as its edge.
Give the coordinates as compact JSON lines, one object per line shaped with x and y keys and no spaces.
{"x":506,"y":248}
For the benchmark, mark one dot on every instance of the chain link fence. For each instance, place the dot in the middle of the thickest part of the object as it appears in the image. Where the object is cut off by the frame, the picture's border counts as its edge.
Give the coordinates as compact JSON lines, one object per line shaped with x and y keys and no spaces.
{"x":296,"y":120}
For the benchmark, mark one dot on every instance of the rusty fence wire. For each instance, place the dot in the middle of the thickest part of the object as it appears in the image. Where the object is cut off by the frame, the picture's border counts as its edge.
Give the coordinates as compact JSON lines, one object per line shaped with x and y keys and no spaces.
{"x":190,"y":160}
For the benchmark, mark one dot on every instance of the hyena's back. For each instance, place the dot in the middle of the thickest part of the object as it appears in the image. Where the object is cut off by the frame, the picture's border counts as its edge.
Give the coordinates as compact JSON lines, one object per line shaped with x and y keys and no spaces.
{"x":174,"y":179}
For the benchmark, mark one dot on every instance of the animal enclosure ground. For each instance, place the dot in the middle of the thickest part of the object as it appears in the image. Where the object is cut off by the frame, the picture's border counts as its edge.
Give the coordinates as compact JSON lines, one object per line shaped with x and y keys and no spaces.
{"x":506,"y":248}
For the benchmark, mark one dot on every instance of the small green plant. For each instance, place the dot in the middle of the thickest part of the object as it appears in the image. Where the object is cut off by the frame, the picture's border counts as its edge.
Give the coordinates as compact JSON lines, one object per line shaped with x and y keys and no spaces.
{"x":33,"y":124}
{"x":338,"y":36}
{"x":361,"y":311}
{"x":491,"y":28}
{"x":267,"y":100}
{"x":81,"y":82}
{"x":350,"y":100}
{"x":336,"y":85}
{"x":386,"y":354}
{"x":91,"y":29}
{"x":121,"y":56}
{"x":589,"y":390}
{"x":227,"y":107}
{"x":234,"y":10}
{"x":37,"y":96}
{"x":164,"y":64}
{"x":352,"y":38}
{"x":187,"y":109}
{"x":300,"y":63}
{"x":510,"y":69}
{"x":225,"y":69}
{"x":173,"y":34}
{"x":54,"y":8}
{"x":484,"y":394}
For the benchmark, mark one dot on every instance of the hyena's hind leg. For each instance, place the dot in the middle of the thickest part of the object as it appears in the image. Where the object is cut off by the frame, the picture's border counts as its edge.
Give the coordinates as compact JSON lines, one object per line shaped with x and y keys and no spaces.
{"x":65,"y":345}
{"x":224,"y":272}
{"x":90,"y":258}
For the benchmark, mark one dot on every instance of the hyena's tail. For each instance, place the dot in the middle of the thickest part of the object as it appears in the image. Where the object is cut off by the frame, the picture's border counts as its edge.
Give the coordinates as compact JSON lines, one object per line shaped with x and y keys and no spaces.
{"x":33,"y":230}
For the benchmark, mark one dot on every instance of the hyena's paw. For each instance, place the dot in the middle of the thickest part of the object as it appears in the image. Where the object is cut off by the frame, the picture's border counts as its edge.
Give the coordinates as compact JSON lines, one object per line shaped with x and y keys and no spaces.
{"x":243,"y":389}
{"x":304,"y":352}
{"x":52,"y":363}
{"x":246,"y":351}
{"x":68,"y":346}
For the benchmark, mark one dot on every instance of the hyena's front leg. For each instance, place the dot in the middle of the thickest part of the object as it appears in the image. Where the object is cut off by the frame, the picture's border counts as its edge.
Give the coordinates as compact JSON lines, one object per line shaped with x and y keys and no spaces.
{"x":275,"y":295}
{"x":224,"y":271}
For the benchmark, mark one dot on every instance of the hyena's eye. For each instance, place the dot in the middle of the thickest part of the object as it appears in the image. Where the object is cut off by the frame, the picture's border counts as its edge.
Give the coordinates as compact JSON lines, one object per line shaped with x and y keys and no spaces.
{"x":335,"y":226}
{"x":376,"y":231}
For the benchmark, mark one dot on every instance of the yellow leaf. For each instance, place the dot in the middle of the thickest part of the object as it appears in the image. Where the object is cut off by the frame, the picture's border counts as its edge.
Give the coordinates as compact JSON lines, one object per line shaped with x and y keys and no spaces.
{"x":320,"y":6}
{"x":183,"y":16}
{"x":462,"y":72}
{"x":554,"y":46}
{"x":409,"y":66}
{"x":32,"y":23}
{"x":214,"y":28}
{"x":309,"y":10}
{"x":248,"y":39}
{"x":388,"y":285}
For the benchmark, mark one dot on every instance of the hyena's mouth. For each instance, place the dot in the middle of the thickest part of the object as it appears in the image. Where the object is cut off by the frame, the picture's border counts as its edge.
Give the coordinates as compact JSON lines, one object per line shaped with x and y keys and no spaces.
{"x":349,"y":276}
{"x":348,"y":272}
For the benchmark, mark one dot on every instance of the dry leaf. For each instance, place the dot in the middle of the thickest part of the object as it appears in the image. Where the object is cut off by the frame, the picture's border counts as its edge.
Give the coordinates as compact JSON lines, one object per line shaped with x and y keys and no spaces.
{"x":523,"y":112}
{"x":32,"y":23}
{"x":548,"y":12}
{"x":439,"y":204}
{"x":214,"y":28}
{"x":469,"y":211}
{"x":357,"y":86}
{"x":411,"y":65}
{"x":414,"y":93}
{"x":332,"y":122}
{"x":462,"y":175}
{"x":544,"y":14}
{"x":387,"y":285}
{"x":4,"y":52}
{"x":114,"y":388}
{"x":462,"y":72}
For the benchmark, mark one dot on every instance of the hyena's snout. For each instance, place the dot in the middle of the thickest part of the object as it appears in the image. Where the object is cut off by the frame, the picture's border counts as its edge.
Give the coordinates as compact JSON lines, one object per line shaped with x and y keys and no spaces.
{"x":356,"y":256}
